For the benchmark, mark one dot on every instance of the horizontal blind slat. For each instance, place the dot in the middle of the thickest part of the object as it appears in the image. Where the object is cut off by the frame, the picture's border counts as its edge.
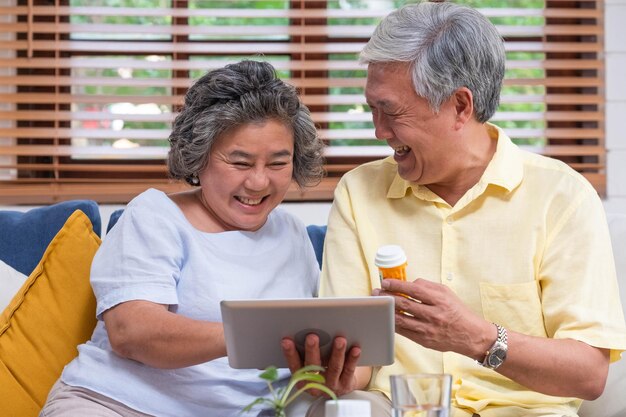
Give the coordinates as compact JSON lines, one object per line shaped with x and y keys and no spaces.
{"x":294,"y":65}
{"x":354,"y":13}
{"x":158,"y":47}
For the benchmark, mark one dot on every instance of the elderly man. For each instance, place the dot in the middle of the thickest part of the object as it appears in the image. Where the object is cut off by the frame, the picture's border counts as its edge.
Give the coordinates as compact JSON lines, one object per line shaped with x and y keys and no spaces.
{"x":508,"y":252}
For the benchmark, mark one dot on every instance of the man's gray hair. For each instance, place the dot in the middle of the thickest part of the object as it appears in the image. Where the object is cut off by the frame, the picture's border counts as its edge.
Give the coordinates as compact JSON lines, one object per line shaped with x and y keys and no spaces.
{"x":247,"y":92}
{"x":448,"y":46}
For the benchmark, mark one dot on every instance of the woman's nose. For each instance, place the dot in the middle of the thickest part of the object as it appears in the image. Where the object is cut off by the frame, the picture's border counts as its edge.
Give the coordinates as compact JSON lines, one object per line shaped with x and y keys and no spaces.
{"x":257,"y":179}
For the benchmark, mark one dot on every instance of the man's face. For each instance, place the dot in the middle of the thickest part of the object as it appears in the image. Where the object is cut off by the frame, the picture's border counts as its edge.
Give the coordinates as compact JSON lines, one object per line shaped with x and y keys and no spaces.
{"x":424,"y":143}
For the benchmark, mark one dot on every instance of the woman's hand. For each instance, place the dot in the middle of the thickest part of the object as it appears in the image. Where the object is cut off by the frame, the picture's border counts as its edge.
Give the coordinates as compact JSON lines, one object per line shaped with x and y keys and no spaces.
{"x":342,"y":375}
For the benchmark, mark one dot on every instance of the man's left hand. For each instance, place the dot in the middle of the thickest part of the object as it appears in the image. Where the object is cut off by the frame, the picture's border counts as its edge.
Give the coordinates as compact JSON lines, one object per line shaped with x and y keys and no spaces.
{"x":433,"y":316}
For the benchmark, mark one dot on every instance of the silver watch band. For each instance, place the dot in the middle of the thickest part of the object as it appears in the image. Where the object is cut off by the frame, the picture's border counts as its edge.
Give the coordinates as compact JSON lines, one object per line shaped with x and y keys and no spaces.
{"x":502,"y":336}
{"x":497,"y":353}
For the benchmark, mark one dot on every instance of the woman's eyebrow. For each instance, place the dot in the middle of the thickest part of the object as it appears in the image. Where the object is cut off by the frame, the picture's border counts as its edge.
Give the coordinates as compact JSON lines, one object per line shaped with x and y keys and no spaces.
{"x":246,"y":155}
{"x":279,"y":154}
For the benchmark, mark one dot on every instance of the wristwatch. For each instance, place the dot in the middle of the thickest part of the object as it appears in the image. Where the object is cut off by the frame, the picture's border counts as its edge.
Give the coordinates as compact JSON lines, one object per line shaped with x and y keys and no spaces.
{"x":496,"y":354}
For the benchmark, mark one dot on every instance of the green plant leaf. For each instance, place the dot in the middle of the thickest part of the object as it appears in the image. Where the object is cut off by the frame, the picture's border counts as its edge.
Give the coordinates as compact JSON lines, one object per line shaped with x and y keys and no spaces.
{"x":270,"y":374}
{"x":309,"y":369}
{"x":259,"y":400}
{"x":311,"y":385}
{"x":283,"y":396}
{"x":309,"y":373}
{"x":306,"y":373}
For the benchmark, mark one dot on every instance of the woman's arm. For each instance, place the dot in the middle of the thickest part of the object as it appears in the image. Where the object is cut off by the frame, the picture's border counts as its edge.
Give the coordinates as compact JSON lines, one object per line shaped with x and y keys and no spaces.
{"x":148,"y":333}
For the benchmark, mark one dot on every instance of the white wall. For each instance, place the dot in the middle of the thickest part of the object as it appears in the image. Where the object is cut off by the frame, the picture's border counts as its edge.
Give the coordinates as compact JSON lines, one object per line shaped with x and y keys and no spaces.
{"x":615,"y":59}
{"x":310,"y":213}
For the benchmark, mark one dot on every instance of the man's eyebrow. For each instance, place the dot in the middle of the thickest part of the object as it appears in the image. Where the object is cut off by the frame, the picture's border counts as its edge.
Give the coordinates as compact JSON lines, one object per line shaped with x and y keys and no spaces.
{"x":377,"y":103}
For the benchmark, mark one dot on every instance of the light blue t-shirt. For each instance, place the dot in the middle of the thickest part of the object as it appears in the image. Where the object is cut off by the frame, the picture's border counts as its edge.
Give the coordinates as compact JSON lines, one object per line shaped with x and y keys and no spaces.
{"x":153,"y":253}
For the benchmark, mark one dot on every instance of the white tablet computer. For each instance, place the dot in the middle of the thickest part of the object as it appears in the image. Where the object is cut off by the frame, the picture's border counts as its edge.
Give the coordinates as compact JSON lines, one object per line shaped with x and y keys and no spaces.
{"x":254,"y":328}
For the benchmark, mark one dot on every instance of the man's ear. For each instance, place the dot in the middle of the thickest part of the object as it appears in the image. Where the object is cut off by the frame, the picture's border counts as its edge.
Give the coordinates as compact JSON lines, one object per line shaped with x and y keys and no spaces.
{"x":464,"y":106}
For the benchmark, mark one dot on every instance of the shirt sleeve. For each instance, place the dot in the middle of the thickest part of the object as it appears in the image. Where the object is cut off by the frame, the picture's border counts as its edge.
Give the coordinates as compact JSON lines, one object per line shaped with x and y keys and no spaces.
{"x":580,"y":297}
{"x":140,"y":259}
{"x":344,"y":267}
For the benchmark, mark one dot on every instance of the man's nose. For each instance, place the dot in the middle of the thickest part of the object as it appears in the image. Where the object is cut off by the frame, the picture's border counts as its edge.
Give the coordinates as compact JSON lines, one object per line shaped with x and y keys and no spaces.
{"x":382,"y":131}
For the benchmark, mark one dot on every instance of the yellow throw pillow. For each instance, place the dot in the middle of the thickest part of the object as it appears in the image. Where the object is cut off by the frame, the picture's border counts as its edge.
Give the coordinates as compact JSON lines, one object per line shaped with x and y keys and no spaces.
{"x":52,"y":313}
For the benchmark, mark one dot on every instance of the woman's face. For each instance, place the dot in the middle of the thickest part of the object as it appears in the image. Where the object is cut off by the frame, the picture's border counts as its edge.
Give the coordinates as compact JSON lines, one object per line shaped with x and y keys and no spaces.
{"x":247,"y":175}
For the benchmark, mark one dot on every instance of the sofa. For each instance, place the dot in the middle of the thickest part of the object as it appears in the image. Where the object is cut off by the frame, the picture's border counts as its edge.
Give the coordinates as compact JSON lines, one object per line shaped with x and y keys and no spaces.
{"x":47,"y":306}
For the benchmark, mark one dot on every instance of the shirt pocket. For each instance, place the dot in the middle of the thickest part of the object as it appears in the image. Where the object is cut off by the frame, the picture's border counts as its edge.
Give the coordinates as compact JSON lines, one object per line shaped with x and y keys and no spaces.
{"x":515,"y":306}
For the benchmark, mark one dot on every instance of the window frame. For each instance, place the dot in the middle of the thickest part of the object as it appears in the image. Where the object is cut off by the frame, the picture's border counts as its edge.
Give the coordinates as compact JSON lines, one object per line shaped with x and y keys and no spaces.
{"x":571,"y":39}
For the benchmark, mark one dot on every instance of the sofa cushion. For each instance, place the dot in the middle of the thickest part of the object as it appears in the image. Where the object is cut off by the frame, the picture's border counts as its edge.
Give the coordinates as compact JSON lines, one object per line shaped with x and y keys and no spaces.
{"x":24,"y":236}
{"x":10,"y":282}
{"x":52,"y":313}
{"x":612,"y":403}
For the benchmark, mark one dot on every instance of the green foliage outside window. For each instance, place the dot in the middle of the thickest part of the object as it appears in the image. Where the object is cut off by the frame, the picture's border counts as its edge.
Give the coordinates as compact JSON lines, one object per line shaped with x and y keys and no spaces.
{"x":145,"y":73}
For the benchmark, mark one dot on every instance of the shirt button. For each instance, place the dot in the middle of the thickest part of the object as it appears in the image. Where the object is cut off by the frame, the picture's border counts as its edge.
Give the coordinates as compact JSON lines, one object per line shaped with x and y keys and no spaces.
{"x":449,"y":220}
{"x":449,"y":276}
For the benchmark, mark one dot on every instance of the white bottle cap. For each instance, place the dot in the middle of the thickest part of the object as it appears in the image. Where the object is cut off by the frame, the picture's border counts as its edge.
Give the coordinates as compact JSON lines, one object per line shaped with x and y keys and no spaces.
{"x":389,"y":256}
{"x":348,"y":408}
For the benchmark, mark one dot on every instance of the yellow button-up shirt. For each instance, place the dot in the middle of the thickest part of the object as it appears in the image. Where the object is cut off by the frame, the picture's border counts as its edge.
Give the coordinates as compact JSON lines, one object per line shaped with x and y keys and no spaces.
{"x":527,"y":247}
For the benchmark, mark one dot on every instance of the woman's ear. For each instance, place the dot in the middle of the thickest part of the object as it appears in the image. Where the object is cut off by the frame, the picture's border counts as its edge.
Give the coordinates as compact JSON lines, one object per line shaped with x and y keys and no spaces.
{"x":464,"y":106}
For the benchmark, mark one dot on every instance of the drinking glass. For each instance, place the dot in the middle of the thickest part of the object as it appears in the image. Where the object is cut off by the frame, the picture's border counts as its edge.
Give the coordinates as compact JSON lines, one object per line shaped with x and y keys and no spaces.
{"x":421,"y":395}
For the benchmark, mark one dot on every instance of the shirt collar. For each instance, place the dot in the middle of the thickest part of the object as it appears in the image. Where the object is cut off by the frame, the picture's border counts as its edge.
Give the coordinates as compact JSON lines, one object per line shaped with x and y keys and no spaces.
{"x":504,"y":170}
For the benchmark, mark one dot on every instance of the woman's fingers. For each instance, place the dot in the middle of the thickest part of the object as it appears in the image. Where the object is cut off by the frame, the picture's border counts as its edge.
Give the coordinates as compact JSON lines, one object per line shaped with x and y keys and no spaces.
{"x":340,"y":366}
{"x":291,"y":354}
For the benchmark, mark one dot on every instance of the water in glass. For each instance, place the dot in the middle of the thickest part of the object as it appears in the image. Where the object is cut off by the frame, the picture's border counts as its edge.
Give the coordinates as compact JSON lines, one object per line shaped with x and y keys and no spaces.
{"x":420,"y":411}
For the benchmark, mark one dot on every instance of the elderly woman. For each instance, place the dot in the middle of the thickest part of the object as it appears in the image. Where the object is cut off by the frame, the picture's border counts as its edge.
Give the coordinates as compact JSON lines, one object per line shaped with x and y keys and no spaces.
{"x":158,"y":348}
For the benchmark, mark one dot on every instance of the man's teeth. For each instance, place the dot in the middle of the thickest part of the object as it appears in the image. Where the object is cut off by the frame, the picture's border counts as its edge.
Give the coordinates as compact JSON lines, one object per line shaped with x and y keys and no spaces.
{"x":401,"y":150}
{"x":250,"y":201}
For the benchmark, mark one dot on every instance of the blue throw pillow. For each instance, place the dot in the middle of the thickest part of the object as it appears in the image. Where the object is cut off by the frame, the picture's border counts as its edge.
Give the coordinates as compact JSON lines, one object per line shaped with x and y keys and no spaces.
{"x":114,"y":218}
{"x":24,"y":236}
{"x":317,"y":234}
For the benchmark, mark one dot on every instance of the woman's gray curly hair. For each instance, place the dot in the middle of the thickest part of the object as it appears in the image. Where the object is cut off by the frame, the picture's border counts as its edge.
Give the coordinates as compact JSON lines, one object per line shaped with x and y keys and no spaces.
{"x":235,"y":95}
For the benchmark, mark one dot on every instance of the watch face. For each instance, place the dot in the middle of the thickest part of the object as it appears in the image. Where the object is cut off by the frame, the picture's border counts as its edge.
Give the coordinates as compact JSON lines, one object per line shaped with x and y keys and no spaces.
{"x":496,"y":356}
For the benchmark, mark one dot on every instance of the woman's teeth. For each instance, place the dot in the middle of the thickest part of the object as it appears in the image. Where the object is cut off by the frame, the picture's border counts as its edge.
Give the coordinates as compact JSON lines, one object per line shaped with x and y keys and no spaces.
{"x":249,"y":201}
{"x":402,"y":150}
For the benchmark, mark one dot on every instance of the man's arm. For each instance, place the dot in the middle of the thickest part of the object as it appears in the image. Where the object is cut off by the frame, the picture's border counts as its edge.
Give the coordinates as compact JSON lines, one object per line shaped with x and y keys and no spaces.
{"x":440,"y":321}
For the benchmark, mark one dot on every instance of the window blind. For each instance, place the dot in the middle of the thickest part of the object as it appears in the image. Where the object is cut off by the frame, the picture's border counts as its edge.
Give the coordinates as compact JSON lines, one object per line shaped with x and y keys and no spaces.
{"x":88,"y":89}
